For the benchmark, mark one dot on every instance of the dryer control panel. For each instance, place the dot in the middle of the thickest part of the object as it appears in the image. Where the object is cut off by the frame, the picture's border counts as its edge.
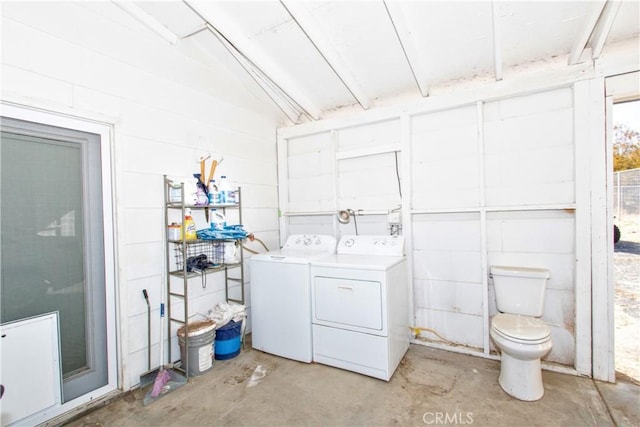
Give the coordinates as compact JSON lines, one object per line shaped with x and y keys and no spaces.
{"x":371,"y":245}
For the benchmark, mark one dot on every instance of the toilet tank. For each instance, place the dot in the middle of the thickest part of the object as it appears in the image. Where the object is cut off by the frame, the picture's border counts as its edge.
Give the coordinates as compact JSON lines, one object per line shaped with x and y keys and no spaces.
{"x":520,"y":290}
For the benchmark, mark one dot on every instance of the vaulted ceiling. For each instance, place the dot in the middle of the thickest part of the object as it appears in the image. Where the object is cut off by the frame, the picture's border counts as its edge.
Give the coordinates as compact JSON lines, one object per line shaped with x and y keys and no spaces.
{"x":311,"y":58}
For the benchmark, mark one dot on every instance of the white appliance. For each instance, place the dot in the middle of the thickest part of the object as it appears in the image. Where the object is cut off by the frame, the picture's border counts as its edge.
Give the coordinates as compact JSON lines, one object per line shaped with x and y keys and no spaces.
{"x":281,"y":296}
{"x":360,"y":305}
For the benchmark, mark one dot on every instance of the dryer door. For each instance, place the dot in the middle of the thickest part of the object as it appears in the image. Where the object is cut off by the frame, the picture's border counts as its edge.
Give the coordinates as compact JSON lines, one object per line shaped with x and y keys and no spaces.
{"x":348,"y":303}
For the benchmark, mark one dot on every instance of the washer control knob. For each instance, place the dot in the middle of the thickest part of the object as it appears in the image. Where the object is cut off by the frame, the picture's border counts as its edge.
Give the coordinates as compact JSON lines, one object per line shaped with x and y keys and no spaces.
{"x":349,"y":242}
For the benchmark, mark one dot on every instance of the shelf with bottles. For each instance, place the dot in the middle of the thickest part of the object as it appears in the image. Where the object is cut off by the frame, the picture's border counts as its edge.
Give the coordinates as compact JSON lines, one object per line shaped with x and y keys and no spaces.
{"x":222,"y":196}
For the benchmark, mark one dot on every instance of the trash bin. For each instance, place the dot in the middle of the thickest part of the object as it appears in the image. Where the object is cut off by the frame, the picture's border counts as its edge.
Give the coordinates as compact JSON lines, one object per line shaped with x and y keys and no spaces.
{"x":197,"y":348}
{"x":227,"y":344}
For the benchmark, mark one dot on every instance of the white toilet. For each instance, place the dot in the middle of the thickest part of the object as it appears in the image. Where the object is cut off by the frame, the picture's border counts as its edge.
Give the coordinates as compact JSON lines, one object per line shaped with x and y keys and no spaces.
{"x":516,"y":330}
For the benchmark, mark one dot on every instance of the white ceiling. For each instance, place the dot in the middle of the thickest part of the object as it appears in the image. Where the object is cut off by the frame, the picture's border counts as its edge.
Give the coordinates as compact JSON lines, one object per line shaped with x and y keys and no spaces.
{"x":311,"y":58}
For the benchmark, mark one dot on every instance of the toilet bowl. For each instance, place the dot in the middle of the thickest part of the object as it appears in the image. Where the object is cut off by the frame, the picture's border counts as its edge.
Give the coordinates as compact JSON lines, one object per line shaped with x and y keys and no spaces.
{"x":517,"y":331}
{"x":522,"y":341}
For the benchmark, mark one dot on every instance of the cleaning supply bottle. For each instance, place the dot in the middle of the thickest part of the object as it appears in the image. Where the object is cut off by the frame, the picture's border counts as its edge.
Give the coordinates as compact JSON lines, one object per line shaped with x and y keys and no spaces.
{"x":217,"y":219}
{"x":189,"y":226}
{"x":214,"y":194}
{"x":173,"y":231}
{"x":223,"y":188}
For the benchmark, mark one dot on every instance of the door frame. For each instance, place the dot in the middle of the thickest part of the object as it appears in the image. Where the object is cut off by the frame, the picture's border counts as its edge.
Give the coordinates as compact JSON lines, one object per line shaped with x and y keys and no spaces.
{"x":105,"y":132}
{"x":618,"y":88}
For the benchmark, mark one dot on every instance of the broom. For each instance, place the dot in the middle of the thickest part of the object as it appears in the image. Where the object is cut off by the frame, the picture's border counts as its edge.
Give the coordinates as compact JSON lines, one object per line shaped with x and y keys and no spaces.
{"x":163,"y":375}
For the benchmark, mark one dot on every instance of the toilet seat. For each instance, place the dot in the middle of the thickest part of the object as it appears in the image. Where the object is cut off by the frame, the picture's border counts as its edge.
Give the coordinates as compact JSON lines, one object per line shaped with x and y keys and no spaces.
{"x":523,"y":329}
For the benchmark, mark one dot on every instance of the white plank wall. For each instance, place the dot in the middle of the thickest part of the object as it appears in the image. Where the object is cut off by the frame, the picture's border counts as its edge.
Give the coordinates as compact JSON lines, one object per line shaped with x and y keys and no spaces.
{"x":490,"y":183}
{"x":448,"y":276}
{"x":444,"y":160}
{"x":163,"y":118}
{"x":310,"y":173}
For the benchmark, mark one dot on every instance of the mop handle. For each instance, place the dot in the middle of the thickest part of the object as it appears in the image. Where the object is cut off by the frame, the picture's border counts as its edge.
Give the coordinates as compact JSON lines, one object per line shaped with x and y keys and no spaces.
{"x":146,"y":298}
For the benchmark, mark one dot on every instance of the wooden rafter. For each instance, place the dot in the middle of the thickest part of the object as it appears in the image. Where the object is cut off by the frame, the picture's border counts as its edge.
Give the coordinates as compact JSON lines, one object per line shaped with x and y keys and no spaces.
{"x":309,"y":26}
{"x":215,"y":16}
{"x":584,"y":36}
{"x":604,"y":28}
{"x":497,"y":40}
{"x":401,"y":28}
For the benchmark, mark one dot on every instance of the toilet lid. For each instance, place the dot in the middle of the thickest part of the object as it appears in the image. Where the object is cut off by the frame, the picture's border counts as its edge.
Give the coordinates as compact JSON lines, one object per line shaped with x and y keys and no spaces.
{"x":520,"y":327}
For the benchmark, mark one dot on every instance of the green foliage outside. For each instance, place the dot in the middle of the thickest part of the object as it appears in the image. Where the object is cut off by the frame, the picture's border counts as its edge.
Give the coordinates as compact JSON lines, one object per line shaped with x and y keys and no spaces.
{"x":626,"y":148}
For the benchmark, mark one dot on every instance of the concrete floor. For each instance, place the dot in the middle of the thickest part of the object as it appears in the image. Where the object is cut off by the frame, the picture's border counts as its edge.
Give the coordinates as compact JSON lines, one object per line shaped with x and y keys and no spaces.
{"x":430,"y":387}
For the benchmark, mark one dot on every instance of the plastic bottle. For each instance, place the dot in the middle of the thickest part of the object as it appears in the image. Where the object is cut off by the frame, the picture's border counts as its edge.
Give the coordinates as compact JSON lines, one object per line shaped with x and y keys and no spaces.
{"x":173,"y":231}
{"x":175,"y":194}
{"x":231,"y":194}
{"x":189,"y":226}
{"x":214,"y":194}
{"x":224,"y":190}
{"x":217,"y":219}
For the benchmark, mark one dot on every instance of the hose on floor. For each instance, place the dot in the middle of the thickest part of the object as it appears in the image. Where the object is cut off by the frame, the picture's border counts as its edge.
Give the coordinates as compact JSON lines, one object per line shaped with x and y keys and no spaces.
{"x":416,"y":330}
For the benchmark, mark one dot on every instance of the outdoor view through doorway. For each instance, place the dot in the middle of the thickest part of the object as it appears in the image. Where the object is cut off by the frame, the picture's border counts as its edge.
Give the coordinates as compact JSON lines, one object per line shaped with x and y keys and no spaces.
{"x":626,"y":256}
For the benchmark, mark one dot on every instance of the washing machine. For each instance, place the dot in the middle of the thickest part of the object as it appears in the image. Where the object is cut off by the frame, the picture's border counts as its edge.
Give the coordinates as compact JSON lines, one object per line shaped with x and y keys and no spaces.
{"x":360,"y":305}
{"x":281,"y":296}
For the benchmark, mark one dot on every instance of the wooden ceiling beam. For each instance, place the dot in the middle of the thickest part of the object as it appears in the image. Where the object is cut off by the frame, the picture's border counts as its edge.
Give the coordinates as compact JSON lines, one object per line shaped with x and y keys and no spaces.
{"x":497,"y":41}
{"x":604,"y":28}
{"x":580,"y":44}
{"x":314,"y":33}
{"x":279,"y":98}
{"x":216,"y":17}
{"x":409,"y":46}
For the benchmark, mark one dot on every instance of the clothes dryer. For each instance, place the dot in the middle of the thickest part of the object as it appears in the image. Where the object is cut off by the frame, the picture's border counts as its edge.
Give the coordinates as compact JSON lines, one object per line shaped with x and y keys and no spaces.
{"x":360,"y":305}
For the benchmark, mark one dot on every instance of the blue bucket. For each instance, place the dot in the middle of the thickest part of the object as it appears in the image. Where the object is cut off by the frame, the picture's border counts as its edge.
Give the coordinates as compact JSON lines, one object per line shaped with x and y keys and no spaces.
{"x":227,"y":344}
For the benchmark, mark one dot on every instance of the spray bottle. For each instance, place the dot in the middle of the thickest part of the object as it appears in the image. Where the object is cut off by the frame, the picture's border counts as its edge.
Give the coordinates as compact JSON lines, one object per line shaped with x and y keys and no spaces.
{"x":189,"y":226}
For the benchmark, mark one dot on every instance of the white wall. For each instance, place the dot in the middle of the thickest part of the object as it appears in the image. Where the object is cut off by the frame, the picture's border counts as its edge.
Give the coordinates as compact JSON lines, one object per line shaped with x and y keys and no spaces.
{"x":486,"y":181}
{"x":165,"y":110}
{"x":503,"y":171}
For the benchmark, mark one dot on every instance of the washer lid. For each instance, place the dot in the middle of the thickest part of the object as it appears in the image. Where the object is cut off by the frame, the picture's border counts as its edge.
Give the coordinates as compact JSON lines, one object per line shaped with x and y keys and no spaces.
{"x":288,"y":256}
{"x":520,"y":327}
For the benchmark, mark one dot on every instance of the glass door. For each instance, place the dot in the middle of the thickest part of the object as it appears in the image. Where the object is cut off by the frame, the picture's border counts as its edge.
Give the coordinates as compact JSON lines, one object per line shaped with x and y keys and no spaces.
{"x":51,"y":246}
